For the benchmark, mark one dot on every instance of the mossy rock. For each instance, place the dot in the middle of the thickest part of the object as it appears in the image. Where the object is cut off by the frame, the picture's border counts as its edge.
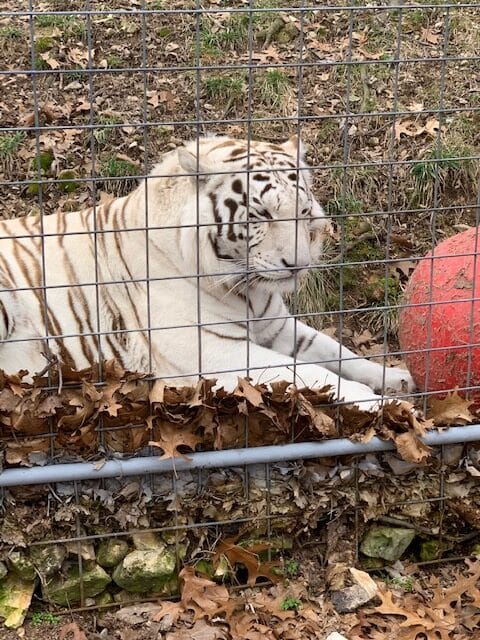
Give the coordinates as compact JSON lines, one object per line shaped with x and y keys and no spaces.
{"x":147,"y":540}
{"x":15,"y":598}
{"x":145,"y":571}
{"x":103,"y":599}
{"x":21,"y":564}
{"x":429,"y":550}
{"x":65,"y":590}
{"x":45,"y":160}
{"x":69,"y":182}
{"x":48,"y":559}
{"x":388,"y":543}
{"x":111,"y":552}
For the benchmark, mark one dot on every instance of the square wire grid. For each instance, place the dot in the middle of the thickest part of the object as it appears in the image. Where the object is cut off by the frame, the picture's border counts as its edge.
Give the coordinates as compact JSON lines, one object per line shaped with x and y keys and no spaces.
{"x":347,"y":78}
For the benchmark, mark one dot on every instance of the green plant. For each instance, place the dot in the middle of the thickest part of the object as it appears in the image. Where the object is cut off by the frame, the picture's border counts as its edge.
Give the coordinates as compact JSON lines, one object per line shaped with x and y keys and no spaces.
{"x":113,"y":169}
{"x":44,"y":43}
{"x":10,"y":143}
{"x":11,"y":32}
{"x":232,"y":35}
{"x":44,"y":617}
{"x":227,"y":87}
{"x":290,"y":604}
{"x":344,"y":204}
{"x":71,"y":26}
{"x":105,"y":133}
{"x":114,"y":61}
{"x":292,"y":568}
{"x":401,"y":582}
{"x":435,"y":165}
{"x":274,"y":87}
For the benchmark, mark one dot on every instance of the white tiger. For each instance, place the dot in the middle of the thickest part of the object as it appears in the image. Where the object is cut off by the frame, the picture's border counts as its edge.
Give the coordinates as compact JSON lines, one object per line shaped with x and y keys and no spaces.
{"x":190,"y":275}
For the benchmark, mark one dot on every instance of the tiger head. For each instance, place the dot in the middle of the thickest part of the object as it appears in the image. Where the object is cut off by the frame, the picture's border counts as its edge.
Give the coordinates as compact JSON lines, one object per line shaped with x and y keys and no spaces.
{"x":260,"y":220}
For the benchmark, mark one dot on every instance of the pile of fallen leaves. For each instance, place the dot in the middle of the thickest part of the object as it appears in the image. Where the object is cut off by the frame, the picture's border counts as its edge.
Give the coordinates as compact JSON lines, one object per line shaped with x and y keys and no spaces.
{"x":70,"y":412}
{"x":438,"y":607}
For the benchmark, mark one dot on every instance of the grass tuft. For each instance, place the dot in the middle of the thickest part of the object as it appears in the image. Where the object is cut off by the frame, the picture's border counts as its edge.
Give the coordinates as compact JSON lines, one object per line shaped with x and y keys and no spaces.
{"x":71,"y":26}
{"x":11,"y":32}
{"x":105,"y":133}
{"x":275,"y":87}
{"x":116,"y":168}
{"x":228,"y":88}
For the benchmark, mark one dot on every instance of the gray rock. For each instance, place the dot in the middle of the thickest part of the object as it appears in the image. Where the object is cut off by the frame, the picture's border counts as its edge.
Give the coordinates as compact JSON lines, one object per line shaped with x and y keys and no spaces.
{"x":21,"y":564}
{"x":145,"y":571}
{"x":111,"y":552}
{"x":48,"y":559}
{"x":388,"y":543}
{"x":350,"y":598}
{"x":3,"y":570}
{"x":147,"y":540}
{"x":335,"y":636}
{"x":65,"y":590}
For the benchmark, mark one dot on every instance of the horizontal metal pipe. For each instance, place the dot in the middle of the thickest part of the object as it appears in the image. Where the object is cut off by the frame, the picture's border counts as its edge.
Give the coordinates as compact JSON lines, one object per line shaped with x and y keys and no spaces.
{"x":217,"y":459}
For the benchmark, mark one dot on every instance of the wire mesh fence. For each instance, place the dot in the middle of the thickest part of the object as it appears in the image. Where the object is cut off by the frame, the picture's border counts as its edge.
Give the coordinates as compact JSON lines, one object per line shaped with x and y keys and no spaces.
{"x":208,"y":160}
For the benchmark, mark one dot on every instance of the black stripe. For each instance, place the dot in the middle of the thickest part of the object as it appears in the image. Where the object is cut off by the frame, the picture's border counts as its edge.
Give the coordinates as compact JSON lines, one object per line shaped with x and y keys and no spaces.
{"x":216,"y":213}
{"x":6,"y":320}
{"x":310,"y":342}
{"x":221,"y":335}
{"x":233,"y":206}
{"x":266,"y":188}
{"x":269,"y":301}
{"x":269,"y":343}
{"x":298,"y":346}
{"x":221,"y":256}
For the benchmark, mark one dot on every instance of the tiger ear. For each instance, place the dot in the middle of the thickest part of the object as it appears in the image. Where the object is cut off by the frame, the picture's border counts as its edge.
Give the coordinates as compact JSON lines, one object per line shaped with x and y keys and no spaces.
{"x":188,"y":162}
{"x":294,"y":147}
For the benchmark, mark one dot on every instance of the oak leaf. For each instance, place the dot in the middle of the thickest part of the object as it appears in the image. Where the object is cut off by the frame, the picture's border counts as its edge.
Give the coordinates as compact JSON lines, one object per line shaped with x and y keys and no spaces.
{"x":172,"y":437}
{"x":453,"y":409}
{"x":411,"y":448}
{"x":204,"y":597}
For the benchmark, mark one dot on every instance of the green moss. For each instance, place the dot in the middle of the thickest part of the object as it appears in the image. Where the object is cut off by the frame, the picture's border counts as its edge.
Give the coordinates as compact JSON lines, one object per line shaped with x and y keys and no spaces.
{"x":115,"y":62}
{"x":69,"y":182}
{"x":43,"y":161}
{"x":44,"y":43}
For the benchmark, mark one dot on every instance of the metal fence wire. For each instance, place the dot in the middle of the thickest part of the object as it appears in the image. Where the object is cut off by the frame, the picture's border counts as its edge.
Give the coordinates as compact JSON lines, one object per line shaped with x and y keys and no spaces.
{"x":384,"y":98}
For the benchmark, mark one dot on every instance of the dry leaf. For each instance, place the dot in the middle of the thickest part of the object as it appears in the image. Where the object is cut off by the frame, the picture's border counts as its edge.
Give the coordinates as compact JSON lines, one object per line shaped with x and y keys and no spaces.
{"x":407,"y":128}
{"x":204,"y":597}
{"x":245,"y":389}
{"x":172,"y":437}
{"x":428,"y":37}
{"x":411,"y":448}
{"x":451,"y":410}
{"x":71,"y":629}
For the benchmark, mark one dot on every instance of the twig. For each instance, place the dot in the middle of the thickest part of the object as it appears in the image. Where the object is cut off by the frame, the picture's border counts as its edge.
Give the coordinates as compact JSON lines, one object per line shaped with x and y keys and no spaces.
{"x":364,"y":237}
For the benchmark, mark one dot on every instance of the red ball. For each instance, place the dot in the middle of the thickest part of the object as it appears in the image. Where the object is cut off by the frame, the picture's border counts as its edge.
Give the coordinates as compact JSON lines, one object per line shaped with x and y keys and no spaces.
{"x":440,"y":335}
